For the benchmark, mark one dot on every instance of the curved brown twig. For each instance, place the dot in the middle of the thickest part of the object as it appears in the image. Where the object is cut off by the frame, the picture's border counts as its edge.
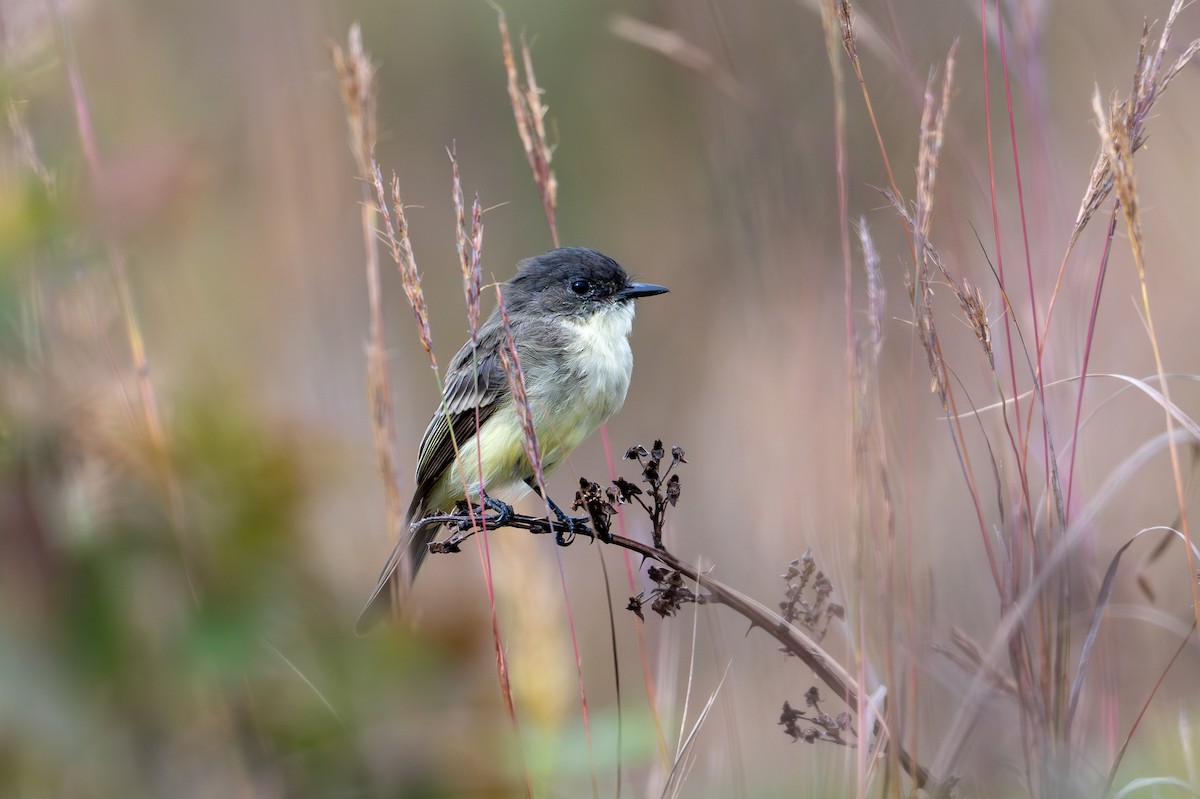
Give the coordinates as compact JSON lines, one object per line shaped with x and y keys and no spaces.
{"x":794,"y":640}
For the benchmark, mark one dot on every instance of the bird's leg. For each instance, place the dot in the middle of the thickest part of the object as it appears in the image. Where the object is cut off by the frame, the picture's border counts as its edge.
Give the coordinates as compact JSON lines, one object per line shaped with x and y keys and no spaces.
{"x":570,"y":522}
{"x":504,"y":513}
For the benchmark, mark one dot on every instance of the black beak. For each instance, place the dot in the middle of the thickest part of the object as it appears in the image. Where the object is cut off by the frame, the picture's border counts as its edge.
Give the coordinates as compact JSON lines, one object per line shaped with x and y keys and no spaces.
{"x":635,"y":290}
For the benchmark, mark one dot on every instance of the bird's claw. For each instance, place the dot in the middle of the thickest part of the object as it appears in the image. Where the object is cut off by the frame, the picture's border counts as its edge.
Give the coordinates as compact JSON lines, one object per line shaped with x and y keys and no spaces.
{"x":504,"y":511}
{"x":564,"y":538}
{"x":504,"y":514}
{"x":573,"y":524}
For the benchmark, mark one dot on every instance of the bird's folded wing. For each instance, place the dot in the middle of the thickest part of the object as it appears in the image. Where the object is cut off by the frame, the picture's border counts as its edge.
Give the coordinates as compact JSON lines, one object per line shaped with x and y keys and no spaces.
{"x":475,"y":379}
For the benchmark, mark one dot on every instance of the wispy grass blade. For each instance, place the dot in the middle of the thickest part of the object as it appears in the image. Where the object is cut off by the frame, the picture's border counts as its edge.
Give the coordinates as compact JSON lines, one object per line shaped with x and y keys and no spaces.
{"x":1102,"y":600}
{"x":681,"y":767}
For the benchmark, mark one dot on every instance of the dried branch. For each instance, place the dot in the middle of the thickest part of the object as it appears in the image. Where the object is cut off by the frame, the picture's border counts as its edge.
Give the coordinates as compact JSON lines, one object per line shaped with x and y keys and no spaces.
{"x":600,"y":504}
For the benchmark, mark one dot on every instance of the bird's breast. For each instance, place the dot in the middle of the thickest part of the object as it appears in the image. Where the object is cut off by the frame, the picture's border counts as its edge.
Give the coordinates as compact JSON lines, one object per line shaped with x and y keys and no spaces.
{"x":599,"y":356}
{"x":587,"y":384}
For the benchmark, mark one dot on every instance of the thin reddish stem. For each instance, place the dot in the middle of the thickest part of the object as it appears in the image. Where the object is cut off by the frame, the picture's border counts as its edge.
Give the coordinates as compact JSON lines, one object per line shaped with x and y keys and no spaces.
{"x":1037,"y":335}
{"x":987,"y":116}
{"x":1087,"y":353}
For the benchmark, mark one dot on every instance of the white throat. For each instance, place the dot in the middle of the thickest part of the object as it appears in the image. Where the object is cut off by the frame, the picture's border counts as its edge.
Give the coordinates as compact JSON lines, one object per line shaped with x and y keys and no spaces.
{"x":599,"y":351}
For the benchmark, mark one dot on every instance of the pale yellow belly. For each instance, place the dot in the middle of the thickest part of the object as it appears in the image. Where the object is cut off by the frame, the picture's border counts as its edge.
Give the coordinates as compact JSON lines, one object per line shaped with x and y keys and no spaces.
{"x":504,"y":466}
{"x":568,"y":403}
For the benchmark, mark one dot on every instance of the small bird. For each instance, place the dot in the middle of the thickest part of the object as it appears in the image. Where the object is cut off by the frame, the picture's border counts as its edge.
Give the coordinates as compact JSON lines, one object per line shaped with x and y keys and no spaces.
{"x":571,"y":312}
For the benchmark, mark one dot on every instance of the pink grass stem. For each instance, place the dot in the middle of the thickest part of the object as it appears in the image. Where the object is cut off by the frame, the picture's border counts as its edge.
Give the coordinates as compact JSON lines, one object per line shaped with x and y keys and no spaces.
{"x":987,"y":115}
{"x":1087,"y":353}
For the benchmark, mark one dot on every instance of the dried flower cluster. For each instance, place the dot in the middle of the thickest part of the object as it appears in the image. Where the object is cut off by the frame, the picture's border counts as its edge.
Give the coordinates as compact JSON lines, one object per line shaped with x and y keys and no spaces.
{"x":821,"y":726}
{"x":668,"y":598}
{"x":665,"y":487}
{"x":600,"y":504}
{"x":806,"y":600}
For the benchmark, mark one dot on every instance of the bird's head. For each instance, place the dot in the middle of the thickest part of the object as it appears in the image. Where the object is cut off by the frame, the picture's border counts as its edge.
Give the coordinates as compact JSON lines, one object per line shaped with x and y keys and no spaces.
{"x":574,"y":283}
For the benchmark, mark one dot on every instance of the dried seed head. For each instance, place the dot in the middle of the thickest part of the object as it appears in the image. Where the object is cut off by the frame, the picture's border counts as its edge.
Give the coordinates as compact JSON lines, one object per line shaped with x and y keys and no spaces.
{"x":627,"y":489}
{"x":402,"y":253}
{"x":356,"y":78}
{"x":1150,"y":80}
{"x":677,"y":456}
{"x":529,"y":113}
{"x":673,"y":490}
{"x":469,"y":243}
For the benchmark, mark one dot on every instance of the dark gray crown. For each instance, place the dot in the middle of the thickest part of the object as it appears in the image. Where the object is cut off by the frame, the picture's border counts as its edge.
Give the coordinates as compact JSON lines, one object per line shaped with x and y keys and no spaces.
{"x":552,"y":282}
{"x":559,"y":267}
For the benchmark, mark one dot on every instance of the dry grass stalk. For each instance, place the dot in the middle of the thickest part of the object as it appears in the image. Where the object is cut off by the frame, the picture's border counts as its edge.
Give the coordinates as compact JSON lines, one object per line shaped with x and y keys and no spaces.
{"x":932,"y":137}
{"x":970,"y":657}
{"x":676,"y":48}
{"x":530,"y":115}
{"x":356,"y":81}
{"x":355,"y":74}
{"x":920,"y":284}
{"x":1119,"y":134}
{"x":511,"y":362}
{"x":876,"y":291}
{"x":970,"y":298}
{"x":1149,"y":82}
{"x":402,"y":253}
{"x":919,"y":222}
{"x":975,"y":310}
{"x":841,"y":11}
{"x":469,"y":241}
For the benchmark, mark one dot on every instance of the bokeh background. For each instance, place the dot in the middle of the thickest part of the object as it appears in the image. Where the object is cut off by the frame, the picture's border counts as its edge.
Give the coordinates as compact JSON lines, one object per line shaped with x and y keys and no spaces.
{"x":176,"y":615}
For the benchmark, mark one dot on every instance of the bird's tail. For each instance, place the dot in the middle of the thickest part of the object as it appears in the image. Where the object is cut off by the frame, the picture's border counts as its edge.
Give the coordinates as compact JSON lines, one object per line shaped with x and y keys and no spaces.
{"x":400,"y":569}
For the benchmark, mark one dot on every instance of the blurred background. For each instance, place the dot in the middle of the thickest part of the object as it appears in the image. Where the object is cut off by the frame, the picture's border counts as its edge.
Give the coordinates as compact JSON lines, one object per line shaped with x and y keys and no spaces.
{"x":177,"y":598}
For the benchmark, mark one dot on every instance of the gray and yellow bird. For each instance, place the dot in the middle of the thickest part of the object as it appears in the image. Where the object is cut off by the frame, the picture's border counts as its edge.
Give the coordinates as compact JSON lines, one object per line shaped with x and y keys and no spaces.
{"x":571,"y":312}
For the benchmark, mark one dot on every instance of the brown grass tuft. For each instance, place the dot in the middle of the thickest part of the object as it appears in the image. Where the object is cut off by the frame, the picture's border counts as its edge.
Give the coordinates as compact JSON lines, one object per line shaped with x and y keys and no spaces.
{"x":530,"y":115}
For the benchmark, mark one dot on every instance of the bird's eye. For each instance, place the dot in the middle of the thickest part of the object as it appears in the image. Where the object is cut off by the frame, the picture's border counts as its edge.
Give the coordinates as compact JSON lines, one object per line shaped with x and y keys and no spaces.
{"x":581,"y":287}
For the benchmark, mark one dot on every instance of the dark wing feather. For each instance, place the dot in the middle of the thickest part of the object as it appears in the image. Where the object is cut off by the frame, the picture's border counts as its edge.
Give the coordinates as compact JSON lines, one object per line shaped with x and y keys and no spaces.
{"x":474,"y":379}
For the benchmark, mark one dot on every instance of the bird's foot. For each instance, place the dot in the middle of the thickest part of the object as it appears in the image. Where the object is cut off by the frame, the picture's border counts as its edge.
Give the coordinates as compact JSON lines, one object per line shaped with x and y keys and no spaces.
{"x":504,"y":514}
{"x":504,"y":511}
{"x":573,"y":524}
